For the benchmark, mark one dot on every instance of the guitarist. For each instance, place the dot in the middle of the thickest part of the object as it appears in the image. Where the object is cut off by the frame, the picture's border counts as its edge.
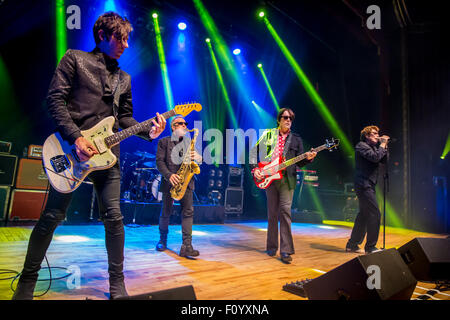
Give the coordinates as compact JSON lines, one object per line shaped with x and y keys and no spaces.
{"x":86,"y":88}
{"x":281,"y":142}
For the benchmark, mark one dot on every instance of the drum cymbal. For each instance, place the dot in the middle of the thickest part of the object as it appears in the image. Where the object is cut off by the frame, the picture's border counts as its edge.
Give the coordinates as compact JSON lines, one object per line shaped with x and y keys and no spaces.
{"x":144,"y":154}
{"x":149,"y":164}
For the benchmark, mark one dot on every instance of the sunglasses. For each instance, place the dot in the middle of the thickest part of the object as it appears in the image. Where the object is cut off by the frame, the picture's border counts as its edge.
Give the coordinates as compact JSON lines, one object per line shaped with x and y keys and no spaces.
{"x":177,"y":124}
{"x":286,"y":117}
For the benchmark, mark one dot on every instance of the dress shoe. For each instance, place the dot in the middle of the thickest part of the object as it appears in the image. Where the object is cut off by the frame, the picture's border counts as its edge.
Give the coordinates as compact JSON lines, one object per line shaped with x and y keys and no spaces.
{"x":188,"y":251}
{"x":271,"y":252}
{"x":285,"y":257}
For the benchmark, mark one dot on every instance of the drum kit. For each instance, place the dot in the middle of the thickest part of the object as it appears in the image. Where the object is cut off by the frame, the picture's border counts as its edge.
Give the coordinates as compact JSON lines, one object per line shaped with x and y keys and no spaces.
{"x":140,"y":180}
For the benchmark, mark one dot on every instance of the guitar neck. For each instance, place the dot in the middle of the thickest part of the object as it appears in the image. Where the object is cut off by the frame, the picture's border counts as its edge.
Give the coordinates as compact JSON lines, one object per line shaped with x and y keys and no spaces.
{"x":298,"y":158}
{"x":117,"y":137}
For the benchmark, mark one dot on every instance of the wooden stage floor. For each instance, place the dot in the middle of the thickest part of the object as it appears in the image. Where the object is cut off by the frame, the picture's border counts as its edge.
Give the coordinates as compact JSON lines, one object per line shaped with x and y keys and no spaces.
{"x":232,"y":264}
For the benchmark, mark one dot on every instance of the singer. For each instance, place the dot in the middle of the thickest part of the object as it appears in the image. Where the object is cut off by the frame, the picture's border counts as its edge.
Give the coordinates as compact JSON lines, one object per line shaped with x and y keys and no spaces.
{"x":369,"y":153}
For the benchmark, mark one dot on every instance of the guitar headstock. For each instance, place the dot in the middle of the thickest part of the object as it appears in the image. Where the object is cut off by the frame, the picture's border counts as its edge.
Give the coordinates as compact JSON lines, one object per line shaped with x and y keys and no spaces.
{"x":185,"y":109}
{"x":331,"y":143}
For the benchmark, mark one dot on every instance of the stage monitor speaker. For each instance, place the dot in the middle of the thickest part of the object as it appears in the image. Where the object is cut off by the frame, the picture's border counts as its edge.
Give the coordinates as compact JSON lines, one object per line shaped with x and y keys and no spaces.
{"x":4,"y":201}
{"x":234,"y":198}
{"x":351,"y":281}
{"x":181,"y":293}
{"x":428,"y":258}
{"x":8,"y":164}
{"x":31,"y":175}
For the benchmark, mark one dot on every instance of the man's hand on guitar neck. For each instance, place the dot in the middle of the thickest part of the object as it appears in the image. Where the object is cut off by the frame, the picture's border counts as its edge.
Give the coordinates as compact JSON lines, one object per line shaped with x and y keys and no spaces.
{"x":310,"y":155}
{"x":84,"y":148}
{"x":158,"y":127}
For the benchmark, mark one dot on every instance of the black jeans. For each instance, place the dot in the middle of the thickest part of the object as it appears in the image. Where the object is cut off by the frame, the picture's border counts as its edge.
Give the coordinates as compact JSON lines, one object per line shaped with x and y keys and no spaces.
{"x":187,"y":211}
{"x":107,"y":187}
{"x":367,"y":220}
{"x":279,"y":203}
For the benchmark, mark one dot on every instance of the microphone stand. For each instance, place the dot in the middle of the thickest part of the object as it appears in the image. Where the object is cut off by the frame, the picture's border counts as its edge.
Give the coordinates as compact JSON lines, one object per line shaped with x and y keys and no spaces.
{"x":385,"y":190}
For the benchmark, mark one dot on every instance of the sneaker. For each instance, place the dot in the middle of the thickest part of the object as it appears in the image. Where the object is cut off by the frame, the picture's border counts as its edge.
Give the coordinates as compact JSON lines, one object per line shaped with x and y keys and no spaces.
{"x":372,"y":250}
{"x":354,"y":249}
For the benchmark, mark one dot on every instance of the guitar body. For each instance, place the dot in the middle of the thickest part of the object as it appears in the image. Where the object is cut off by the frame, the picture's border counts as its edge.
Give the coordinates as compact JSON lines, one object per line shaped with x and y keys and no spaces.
{"x":271,"y":171}
{"x":64,"y":170}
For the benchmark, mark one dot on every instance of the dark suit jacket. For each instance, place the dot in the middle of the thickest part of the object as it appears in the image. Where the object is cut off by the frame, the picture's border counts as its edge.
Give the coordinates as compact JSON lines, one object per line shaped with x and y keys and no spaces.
{"x":164,"y":162}
{"x":292,"y":148}
{"x":81,"y":94}
{"x":367,"y":161}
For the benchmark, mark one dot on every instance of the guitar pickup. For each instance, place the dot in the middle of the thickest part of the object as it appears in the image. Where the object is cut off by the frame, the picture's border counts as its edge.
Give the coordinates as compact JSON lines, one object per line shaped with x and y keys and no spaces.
{"x":60,"y":163}
{"x":100,"y":144}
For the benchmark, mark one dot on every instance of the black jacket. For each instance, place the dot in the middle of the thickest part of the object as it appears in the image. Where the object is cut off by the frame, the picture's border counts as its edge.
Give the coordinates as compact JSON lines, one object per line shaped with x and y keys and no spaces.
{"x":81,"y":94}
{"x":292,"y":148}
{"x":367,"y":161}
{"x":164,"y":162}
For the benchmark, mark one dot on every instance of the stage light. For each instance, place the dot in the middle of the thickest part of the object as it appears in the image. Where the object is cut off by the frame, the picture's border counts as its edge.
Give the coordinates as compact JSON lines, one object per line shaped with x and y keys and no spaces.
{"x":182,"y":26}
{"x":236,"y":51}
{"x":208,"y":40}
{"x":261,"y":14}
{"x":61,"y":34}
{"x":259,"y":65}
{"x":155,"y":15}
{"x":71,"y":238}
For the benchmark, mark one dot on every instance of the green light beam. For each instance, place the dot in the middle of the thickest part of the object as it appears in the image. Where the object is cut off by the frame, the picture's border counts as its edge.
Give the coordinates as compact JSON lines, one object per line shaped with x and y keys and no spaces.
{"x":61,"y":35}
{"x":446,"y":148}
{"x":222,"y":85}
{"x":162,"y":61}
{"x":316,"y":99}
{"x":269,"y":88}
{"x":223,"y":52}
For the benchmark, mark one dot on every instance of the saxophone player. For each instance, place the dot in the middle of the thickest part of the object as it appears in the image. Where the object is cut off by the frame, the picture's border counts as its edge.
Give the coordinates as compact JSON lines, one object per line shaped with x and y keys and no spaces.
{"x":170,"y":150}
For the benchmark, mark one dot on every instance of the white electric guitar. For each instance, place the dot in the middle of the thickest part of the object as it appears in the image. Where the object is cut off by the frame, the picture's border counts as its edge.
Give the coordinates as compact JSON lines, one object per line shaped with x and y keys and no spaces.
{"x":64,"y":169}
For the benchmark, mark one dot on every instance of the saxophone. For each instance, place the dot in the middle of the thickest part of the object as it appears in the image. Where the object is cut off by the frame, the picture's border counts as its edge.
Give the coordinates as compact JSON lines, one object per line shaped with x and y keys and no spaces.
{"x":186,"y":171}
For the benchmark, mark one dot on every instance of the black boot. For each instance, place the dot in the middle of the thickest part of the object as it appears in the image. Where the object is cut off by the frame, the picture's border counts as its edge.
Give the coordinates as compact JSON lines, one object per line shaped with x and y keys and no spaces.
{"x":24,"y":290}
{"x":162,"y":243}
{"x":187,"y":250}
{"x":115,"y":240}
{"x":117,"y":289}
{"x":40,"y":239}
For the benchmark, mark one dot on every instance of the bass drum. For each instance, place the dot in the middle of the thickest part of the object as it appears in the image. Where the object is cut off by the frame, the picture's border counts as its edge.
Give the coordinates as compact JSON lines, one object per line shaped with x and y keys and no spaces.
{"x":156,"y":184}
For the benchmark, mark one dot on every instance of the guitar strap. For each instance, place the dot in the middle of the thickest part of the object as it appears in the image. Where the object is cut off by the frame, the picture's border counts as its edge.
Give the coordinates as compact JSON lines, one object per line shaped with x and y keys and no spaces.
{"x":116,"y":94}
{"x":286,"y":145}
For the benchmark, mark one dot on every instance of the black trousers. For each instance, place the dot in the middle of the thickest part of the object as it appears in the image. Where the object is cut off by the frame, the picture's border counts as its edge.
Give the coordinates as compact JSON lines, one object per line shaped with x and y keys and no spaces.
{"x":187,"y":212}
{"x":279,"y":203}
{"x":107,"y":187}
{"x":367,"y":220}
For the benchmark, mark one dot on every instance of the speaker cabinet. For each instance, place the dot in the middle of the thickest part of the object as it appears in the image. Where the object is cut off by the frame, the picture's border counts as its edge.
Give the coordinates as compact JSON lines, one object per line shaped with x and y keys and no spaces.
{"x":8,"y":164}
{"x":350,"y":280}
{"x":180,"y":293}
{"x":31,"y":175}
{"x":428,"y":258}
{"x":27,"y":204}
{"x":4,"y":201}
